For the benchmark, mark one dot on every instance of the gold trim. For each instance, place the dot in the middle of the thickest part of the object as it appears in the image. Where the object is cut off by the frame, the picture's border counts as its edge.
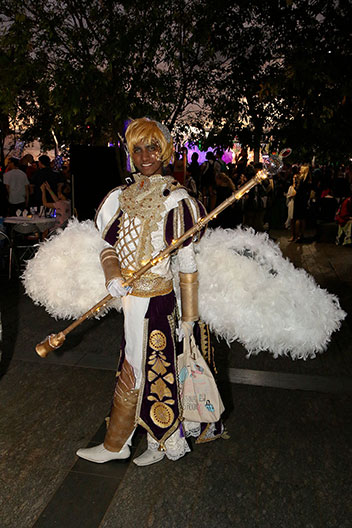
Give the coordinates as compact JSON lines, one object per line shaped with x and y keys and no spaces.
{"x":201,"y":440}
{"x":160,"y":388}
{"x":157,"y":340}
{"x":181,"y":219}
{"x":175,"y":224}
{"x":170,"y":378}
{"x":172,"y":323}
{"x":162,"y":414}
{"x":206,"y":347}
{"x":149,"y":284}
{"x":143,"y":200}
{"x":168,"y":433}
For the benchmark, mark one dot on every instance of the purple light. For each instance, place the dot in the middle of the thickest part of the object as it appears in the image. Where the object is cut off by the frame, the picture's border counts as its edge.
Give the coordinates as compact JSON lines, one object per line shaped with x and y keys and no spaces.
{"x":227,"y":156}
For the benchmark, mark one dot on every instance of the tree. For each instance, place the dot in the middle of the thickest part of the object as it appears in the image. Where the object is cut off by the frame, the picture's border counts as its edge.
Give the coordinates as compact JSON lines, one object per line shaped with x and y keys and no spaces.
{"x":277,"y":72}
{"x":318,"y":86}
{"x":17,"y":78}
{"x":103,"y":62}
{"x":286,"y":77}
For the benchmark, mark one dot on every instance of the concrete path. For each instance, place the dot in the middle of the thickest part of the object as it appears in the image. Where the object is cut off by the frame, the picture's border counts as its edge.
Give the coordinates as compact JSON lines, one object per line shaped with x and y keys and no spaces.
{"x":287,"y":463}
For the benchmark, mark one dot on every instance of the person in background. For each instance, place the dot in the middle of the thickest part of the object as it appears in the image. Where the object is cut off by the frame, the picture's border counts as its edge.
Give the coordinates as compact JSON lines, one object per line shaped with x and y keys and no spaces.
{"x":207,"y":181}
{"x":224,"y":188}
{"x":290,"y":202}
{"x":180,"y":165}
{"x":344,"y":220}
{"x":194,"y":170}
{"x":300,"y":209}
{"x":61,"y":205}
{"x":254,"y":202}
{"x":25,"y":162}
{"x":219,"y":164}
{"x":190,"y":185}
{"x":17,"y":185}
{"x":45,"y":174}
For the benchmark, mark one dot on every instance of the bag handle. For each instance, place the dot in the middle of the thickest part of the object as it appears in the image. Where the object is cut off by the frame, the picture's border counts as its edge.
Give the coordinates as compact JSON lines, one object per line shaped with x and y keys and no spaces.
{"x":190,"y":348}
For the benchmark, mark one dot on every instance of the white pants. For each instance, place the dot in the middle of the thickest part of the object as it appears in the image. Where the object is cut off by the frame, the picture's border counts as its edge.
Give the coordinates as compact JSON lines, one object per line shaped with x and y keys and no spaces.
{"x":134,"y":309}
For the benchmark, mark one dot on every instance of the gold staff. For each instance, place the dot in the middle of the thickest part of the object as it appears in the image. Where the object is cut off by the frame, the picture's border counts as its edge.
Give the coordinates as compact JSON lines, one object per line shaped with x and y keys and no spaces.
{"x":54,"y":341}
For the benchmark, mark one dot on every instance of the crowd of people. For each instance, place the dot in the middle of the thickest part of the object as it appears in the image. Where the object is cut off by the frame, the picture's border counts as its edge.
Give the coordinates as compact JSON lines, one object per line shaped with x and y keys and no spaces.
{"x":299,"y":197}
{"x":36,"y":187}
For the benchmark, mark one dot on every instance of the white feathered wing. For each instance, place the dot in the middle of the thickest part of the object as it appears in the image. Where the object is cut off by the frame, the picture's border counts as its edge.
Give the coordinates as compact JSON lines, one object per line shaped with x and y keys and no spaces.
{"x":250,"y":293}
{"x":65,"y":276}
{"x":247,"y":290}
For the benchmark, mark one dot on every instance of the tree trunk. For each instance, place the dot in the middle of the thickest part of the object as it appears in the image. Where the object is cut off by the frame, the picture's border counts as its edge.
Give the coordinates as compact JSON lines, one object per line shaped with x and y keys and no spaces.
{"x":257,"y":136}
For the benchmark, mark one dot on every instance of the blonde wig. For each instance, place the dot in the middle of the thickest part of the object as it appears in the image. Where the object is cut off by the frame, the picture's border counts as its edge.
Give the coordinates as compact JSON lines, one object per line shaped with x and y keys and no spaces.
{"x":303,"y":172}
{"x":147,"y":131}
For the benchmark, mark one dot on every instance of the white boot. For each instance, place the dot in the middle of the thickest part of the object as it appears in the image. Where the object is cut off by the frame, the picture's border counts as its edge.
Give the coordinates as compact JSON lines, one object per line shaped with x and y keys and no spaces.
{"x":100,"y":455}
{"x":149,"y":457}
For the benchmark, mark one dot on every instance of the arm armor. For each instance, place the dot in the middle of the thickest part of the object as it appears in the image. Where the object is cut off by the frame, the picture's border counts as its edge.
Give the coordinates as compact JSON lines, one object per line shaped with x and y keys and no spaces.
{"x":110,"y":264}
{"x":189,"y":296}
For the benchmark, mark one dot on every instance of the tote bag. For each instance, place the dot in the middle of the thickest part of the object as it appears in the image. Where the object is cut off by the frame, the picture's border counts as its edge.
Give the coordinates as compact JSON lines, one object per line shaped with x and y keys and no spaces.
{"x":199,"y":394}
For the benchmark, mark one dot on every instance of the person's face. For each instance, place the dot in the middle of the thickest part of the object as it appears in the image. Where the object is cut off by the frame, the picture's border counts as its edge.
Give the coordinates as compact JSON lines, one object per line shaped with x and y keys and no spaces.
{"x":146,"y":158}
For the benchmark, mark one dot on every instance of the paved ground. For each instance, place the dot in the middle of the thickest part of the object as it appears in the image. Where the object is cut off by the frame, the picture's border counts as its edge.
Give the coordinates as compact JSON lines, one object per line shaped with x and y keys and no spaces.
{"x":287,"y":463}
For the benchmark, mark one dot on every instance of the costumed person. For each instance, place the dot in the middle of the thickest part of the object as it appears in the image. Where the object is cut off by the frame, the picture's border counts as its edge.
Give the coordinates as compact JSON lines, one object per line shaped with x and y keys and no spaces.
{"x":137,"y":221}
{"x":278,"y":308}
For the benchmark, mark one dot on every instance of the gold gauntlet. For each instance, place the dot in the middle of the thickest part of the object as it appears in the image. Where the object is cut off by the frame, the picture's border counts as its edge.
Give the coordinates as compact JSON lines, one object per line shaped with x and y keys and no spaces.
{"x":189,"y":296}
{"x":110,"y":264}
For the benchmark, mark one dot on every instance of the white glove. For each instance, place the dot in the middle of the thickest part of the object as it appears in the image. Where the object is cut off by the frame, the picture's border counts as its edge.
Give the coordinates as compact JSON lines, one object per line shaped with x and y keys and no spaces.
{"x":185,"y":330}
{"x":116,"y":289}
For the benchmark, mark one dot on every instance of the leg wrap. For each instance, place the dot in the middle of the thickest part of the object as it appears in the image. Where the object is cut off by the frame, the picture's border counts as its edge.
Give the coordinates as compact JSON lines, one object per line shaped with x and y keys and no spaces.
{"x":122,"y":417}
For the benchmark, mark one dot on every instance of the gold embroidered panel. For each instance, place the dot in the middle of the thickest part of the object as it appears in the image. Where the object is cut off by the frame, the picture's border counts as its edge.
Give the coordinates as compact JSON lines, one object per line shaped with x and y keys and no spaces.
{"x":143,"y":206}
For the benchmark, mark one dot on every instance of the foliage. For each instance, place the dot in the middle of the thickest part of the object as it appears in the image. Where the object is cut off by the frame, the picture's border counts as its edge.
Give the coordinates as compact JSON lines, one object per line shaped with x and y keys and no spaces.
{"x":277,"y":72}
{"x":286,"y":78}
{"x":101,"y":62}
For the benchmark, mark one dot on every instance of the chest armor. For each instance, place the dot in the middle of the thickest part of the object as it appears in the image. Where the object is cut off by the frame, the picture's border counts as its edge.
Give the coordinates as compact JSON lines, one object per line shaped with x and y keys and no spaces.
{"x":142,"y":211}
